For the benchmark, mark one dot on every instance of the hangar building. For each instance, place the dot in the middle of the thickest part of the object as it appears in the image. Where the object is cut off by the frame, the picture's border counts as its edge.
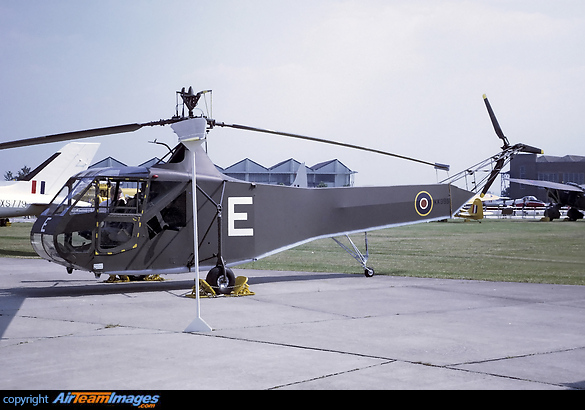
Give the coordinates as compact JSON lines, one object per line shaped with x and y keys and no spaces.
{"x":325,"y":174}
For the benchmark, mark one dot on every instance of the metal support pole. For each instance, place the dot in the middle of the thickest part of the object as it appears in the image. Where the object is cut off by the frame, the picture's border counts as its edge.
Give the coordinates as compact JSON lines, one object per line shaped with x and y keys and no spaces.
{"x":192,"y":134}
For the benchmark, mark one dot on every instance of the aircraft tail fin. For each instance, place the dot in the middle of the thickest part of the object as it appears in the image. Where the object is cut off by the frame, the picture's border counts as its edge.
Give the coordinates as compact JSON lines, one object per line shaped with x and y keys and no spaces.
{"x":52,"y":174}
{"x":301,"y":177}
{"x":476,"y":210}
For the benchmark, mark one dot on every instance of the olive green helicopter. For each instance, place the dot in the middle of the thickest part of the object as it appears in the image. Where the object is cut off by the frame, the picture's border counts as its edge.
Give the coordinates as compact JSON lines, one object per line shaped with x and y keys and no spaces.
{"x":182,"y":214}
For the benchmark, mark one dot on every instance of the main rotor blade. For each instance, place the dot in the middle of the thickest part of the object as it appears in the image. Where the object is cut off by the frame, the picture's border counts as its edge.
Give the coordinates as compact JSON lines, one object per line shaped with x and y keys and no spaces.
{"x":74,"y":135}
{"x":342,"y":144}
{"x":495,"y":123}
{"x":66,"y":136}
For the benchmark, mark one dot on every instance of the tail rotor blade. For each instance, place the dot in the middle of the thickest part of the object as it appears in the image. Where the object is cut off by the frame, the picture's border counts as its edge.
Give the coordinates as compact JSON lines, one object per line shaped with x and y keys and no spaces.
{"x":495,"y":172}
{"x":495,"y":123}
{"x":530,"y":150}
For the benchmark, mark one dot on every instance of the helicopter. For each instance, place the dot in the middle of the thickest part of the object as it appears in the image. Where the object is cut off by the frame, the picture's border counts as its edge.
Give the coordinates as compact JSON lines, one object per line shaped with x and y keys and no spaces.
{"x":155,"y":220}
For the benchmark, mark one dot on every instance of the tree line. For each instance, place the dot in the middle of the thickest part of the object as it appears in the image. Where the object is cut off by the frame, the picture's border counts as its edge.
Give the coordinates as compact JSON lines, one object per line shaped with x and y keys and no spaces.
{"x":21,"y":174}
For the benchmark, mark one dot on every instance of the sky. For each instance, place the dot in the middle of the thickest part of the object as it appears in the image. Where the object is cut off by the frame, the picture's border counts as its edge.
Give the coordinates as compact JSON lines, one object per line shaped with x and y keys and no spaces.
{"x":401,"y":76}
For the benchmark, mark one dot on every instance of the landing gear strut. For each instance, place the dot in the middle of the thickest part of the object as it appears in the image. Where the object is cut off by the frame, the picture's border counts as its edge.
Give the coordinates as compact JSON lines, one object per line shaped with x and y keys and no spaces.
{"x":220,"y":278}
{"x":357,"y":254}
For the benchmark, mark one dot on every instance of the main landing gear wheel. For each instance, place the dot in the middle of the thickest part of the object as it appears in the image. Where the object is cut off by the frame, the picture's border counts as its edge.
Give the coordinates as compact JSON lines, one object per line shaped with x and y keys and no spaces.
{"x":221,"y":284}
{"x":369,"y":272}
{"x":574,"y":214}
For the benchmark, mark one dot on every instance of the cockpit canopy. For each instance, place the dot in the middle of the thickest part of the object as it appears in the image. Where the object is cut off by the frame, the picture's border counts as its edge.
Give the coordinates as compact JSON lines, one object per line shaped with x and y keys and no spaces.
{"x":107,"y":211}
{"x":102,"y":191}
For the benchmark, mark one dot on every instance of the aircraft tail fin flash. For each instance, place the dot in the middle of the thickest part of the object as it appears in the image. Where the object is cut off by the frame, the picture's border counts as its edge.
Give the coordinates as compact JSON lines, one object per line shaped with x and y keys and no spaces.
{"x":52,"y":174}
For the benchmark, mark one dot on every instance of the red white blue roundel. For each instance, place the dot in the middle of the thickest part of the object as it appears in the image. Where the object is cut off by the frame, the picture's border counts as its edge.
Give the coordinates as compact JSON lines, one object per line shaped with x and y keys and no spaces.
{"x":423,"y":203}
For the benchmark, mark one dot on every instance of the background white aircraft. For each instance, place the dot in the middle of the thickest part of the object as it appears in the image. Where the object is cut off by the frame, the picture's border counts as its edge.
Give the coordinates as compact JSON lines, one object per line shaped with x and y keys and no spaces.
{"x":31,"y":195}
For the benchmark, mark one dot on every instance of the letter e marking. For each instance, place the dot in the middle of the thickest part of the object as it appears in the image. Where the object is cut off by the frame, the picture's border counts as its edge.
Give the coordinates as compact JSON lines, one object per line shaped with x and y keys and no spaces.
{"x":234,"y":216}
{"x":45,"y":224}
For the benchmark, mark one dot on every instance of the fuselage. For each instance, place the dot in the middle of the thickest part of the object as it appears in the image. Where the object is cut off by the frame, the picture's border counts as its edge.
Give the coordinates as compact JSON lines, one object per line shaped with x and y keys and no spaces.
{"x":21,"y":198}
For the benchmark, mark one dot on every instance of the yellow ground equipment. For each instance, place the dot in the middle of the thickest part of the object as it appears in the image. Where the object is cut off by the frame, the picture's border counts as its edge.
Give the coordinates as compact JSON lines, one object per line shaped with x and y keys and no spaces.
{"x":241,"y":288}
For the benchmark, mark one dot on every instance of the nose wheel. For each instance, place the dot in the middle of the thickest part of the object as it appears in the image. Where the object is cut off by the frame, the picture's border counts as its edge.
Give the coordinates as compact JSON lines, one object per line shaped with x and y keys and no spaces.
{"x":221,"y":279}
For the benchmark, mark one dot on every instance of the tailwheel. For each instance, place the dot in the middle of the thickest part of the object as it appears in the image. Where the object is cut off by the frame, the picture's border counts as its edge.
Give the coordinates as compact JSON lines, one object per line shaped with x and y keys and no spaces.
{"x":369,"y":272}
{"x":220,"y":282}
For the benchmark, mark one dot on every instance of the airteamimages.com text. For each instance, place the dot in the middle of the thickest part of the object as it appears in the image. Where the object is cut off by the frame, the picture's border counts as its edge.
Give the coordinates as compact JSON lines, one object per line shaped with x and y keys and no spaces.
{"x":143,"y":401}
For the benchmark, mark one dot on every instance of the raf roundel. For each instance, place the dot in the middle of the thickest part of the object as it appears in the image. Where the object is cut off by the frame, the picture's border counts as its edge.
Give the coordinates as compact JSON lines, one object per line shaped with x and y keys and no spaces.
{"x":423,"y":203}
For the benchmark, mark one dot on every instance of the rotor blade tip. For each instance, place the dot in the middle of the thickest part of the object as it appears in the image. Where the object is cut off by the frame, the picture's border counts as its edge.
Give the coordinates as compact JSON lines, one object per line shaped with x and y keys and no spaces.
{"x":485,"y":97}
{"x":444,"y":167}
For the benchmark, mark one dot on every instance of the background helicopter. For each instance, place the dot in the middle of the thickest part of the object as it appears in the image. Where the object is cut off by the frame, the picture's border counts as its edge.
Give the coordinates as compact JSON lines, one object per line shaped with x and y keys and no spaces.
{"x":165,"y":225}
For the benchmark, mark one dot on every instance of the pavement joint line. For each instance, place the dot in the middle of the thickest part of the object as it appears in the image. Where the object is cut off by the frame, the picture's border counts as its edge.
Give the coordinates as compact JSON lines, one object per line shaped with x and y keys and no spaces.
{"x":501,"y":376}
{"x":571,"y":349}
{"x":318,"y":349}
{"x":325,"y":376}
{"x":454,"y":366}
{"x":387,"y":360}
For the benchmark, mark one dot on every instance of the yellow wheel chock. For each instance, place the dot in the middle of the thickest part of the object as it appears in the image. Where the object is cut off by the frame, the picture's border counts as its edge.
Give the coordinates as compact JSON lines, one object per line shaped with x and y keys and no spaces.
{"x":241,"y":288}
{"x":126,"y":278}
{"x":117,"y":279}
{"x":154,"y":278}
{"x":205,"y":290}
